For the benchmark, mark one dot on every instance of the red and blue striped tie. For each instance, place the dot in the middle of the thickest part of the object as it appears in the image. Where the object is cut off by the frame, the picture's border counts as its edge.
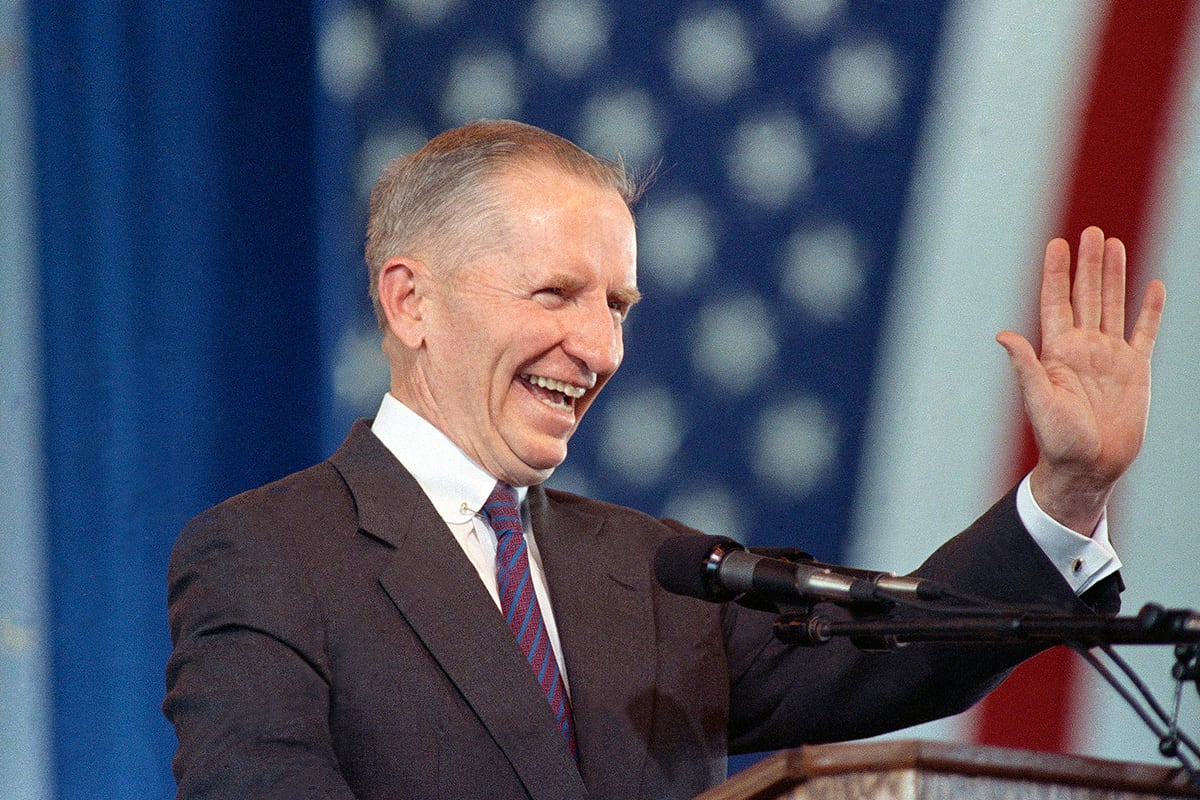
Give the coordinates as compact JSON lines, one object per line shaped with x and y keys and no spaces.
{"x":519,"y":604}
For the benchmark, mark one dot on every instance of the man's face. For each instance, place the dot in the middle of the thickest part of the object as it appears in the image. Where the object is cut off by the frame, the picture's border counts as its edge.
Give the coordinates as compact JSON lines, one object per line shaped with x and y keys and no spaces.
{"x":520,"y":341}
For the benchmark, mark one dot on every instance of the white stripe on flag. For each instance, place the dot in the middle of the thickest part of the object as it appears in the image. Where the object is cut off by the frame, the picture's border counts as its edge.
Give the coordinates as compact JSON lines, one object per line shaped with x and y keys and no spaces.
{"x":997,"y":142}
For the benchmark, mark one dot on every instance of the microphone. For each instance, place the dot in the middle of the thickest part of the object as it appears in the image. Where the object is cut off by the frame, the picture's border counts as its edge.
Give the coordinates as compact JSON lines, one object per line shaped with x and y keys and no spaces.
{"x":895,"y":585}
{"x":719,"y":569}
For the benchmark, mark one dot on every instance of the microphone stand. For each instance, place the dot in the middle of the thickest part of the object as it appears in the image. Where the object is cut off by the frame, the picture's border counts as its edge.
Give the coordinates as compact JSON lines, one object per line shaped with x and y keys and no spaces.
{"x":1152,"y":625}
{"x":1187,"y":664}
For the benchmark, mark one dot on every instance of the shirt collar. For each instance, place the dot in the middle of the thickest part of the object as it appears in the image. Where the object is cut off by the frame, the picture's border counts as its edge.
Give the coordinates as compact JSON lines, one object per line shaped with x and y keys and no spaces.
{"x":456,"y":485}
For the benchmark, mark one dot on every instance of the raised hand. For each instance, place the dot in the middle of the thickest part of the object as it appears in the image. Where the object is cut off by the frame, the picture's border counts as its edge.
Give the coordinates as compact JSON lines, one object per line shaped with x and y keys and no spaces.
{"x":1087,"y":395}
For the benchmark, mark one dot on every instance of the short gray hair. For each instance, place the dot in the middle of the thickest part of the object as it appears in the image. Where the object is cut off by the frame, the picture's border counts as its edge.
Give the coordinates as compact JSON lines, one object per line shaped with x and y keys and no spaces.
{"x":442,"y":199}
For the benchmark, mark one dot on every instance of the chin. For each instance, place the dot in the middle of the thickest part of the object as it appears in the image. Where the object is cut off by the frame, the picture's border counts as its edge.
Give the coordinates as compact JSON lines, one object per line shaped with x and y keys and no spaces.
{"x":545,"y":466}
{"x":544,"y":462}
{"x":532,"y":453}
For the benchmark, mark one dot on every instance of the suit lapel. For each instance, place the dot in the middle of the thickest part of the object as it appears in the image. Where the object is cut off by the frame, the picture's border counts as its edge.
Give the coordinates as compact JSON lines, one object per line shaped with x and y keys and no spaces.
{"x":434,"y":586}
{"x":603,"y":609}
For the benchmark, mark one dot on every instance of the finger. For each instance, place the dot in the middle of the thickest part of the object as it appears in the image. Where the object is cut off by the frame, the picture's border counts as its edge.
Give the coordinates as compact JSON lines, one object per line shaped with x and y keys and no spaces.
{"x":1086,"y":286}
{"x":1112,"y":320}
{"x":1145,"y":330}
{"x":1031,"y":375}
{"x":1055,"y":313}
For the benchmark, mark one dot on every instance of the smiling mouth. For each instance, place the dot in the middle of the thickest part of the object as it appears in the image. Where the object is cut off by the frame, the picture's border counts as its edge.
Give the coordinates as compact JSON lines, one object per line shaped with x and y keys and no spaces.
{"x":554,"y":393}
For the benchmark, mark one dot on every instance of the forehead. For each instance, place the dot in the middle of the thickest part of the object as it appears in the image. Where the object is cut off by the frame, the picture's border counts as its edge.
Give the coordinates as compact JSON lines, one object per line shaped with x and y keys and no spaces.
{"x":541,"y":203}
{"x":537,"y":184}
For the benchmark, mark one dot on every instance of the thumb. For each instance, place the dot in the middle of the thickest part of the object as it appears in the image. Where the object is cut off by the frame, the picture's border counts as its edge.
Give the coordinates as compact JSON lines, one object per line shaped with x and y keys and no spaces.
{"x":1031,"y":376}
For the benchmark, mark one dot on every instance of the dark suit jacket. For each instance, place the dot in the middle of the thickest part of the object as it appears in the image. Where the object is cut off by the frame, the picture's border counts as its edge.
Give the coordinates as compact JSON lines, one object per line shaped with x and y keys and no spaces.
{"x":332,"y":641}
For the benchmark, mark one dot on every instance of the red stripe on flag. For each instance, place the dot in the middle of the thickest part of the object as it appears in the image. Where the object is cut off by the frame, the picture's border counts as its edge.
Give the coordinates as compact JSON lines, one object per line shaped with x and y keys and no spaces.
{"x":1119,"y":154}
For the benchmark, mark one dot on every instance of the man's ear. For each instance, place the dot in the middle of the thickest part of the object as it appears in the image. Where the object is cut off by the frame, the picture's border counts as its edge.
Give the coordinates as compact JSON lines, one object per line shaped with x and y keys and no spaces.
{"x":402,"y":283}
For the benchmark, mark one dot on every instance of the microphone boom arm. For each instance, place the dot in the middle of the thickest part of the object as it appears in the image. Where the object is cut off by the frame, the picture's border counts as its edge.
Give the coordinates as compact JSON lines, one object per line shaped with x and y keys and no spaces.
{"x":1152,"y":625}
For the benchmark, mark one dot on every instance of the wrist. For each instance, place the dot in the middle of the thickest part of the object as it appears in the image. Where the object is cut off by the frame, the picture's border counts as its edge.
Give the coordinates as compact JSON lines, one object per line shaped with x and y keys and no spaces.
{"x":1076,"y":501}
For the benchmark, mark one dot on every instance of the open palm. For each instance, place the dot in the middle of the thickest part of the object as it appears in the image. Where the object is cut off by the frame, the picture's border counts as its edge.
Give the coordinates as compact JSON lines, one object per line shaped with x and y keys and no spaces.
{"x":1087,"y":395}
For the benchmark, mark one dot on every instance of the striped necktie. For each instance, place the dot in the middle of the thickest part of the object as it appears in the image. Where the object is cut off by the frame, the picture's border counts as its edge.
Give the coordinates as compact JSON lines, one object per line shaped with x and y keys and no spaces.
{"x":520,"y":607}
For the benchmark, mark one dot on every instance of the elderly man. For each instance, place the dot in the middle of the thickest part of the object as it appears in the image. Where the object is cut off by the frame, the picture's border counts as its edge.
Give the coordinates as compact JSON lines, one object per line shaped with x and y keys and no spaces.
{"x":418,"y":617}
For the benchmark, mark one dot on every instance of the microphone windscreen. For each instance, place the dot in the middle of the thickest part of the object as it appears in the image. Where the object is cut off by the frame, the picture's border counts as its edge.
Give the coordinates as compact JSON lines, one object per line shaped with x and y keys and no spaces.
{"x":681,"y":564}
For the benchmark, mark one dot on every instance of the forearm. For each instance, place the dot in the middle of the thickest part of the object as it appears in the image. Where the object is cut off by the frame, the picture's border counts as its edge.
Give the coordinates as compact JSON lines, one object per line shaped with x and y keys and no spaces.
{"x":792,"y":696}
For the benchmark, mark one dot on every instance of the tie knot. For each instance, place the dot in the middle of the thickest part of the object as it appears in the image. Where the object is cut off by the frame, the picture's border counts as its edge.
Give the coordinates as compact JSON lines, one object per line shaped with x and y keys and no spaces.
{"x":502,"y":511}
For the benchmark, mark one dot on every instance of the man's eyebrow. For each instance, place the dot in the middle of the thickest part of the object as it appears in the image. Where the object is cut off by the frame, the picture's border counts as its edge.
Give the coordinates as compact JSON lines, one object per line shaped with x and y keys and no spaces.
{"x":628,"y":296}
{"x":566,"y":281}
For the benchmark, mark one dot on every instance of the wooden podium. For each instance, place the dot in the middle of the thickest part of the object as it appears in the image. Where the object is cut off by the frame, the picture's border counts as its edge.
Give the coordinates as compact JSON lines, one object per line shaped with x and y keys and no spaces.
{"x":913,"y":770}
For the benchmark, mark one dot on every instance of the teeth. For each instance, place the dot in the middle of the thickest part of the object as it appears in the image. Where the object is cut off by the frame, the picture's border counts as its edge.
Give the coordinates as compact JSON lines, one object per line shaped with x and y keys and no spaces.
{"x":556,"y":386}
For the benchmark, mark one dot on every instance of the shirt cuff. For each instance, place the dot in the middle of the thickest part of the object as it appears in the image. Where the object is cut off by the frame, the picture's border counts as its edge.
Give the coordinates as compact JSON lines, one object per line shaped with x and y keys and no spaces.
{"x":1083,"y":561}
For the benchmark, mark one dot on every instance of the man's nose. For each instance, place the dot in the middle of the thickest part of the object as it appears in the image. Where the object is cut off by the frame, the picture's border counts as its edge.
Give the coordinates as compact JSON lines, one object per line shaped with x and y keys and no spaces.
{"x":595,"y":338}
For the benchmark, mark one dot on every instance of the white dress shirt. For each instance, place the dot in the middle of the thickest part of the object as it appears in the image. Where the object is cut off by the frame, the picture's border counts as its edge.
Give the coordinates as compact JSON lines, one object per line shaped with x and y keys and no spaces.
{"x":458,"y":488}
{"x":1082,"y":560}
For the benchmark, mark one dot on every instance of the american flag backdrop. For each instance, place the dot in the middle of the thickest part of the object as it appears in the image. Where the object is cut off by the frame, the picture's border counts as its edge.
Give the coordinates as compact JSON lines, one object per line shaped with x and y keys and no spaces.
{"x":852,"y":198}
{"x":852,"y":201}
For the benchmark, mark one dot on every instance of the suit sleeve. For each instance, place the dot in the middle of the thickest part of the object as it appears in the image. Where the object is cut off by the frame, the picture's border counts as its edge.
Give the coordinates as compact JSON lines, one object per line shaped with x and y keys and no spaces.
{"x":785,"y":696}
{"x":247,"y":682}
